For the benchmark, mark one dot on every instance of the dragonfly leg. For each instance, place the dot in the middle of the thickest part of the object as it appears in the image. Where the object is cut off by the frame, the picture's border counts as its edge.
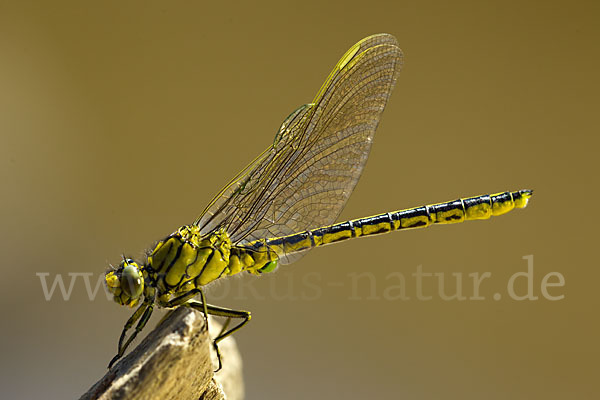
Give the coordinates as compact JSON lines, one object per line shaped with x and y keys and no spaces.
{"x":143,"y":313}
{"x":222,"y":312}
{"x":132,"y":320}
{"x":186,"y":297}
{"x":224,"y":327}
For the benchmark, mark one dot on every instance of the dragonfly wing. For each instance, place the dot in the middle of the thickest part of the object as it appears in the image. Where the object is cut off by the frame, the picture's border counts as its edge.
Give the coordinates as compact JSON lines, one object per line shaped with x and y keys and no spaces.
{"x":238,"y":197}
{"x":304,"y":180}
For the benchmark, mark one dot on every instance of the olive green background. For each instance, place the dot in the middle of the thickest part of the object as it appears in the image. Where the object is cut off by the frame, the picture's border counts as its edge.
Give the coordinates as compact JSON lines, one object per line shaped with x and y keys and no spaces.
{"x":119,"y":120}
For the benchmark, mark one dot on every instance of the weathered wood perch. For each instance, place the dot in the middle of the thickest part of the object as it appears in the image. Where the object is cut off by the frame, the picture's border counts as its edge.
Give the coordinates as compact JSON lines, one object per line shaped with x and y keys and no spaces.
{"x":175,"y":361}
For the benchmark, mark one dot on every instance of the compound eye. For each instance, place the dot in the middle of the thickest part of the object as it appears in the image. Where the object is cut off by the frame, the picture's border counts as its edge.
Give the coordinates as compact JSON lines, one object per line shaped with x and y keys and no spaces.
{"x":131,"y":281}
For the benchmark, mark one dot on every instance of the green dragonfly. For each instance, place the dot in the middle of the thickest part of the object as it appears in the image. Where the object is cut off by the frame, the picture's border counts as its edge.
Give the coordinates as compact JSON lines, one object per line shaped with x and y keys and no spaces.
{"x":286,"y":201}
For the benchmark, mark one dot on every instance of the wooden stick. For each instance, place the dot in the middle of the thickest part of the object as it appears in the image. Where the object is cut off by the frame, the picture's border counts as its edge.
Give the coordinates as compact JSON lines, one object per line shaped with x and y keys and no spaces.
{"x":175,"y":361}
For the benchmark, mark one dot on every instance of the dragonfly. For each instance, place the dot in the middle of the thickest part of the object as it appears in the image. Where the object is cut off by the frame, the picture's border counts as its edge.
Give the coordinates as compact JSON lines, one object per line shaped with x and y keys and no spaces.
{"x":287,"y":200}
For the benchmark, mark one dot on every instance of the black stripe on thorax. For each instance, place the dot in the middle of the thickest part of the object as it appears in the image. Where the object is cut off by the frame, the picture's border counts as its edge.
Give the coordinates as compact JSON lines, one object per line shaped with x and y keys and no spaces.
{"x":192,"y":263}
{"x":177,"y":255}
{"x":165,"y":258}
{"x":212,"y":253}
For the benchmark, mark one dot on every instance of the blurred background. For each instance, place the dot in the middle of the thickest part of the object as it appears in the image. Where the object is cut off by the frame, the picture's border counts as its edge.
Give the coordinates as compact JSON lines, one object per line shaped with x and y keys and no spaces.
{"x":120,"y":120}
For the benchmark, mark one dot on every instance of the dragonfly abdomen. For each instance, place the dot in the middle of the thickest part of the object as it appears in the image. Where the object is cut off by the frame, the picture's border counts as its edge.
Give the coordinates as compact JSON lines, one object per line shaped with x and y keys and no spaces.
{"x":452,"y":212}
{"x":464,"y":209}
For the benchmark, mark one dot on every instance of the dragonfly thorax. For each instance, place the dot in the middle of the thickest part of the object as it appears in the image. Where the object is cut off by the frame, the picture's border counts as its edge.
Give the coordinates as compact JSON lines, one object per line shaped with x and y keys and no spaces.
{"x":187,"y":259}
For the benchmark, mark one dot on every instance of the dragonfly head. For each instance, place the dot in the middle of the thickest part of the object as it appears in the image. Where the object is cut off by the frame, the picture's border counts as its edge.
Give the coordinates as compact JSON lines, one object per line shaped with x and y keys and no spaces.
{"x":126,"y":283}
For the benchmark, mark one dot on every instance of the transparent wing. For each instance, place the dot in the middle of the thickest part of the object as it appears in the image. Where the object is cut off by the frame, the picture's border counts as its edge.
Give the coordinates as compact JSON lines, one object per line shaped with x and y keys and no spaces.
{"x":305,"y":178}
{"x":240,"y":194}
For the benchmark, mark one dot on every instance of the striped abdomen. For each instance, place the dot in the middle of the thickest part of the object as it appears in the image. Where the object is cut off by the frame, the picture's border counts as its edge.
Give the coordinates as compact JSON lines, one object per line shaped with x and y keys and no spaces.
{"x":472,"y":208}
